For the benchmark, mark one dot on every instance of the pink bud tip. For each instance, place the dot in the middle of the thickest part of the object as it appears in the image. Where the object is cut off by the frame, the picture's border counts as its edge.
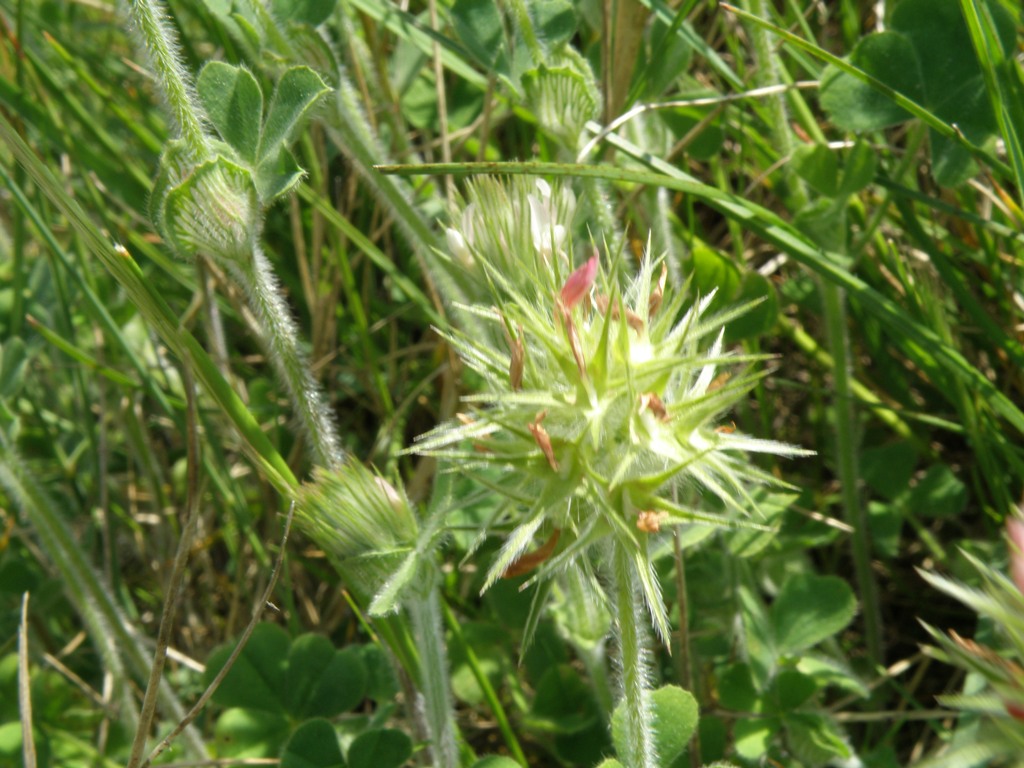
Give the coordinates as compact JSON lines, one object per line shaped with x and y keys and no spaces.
{"x":579,"y":283}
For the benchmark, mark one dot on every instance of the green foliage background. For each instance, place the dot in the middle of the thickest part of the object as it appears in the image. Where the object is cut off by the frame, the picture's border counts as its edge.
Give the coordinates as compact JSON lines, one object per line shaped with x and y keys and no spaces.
{"x":870,"y":196}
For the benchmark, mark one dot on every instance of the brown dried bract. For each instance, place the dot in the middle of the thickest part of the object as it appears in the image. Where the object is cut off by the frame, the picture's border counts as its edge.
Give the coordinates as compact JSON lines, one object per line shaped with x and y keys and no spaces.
{"x":530,"y":560}
{"x":719,"y":381}
{"x":649,"y":401}
{"x":543,"y":439}
{"x":649,"y":521}
{"x":657,"y":293}
{"x":633,"y":320}
{"x":1014,"y":672}
{"x":517,"y":356}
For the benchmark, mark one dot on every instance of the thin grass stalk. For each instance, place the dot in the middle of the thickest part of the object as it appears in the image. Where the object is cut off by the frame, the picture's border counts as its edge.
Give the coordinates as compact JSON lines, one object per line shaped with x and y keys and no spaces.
{"x":685,"y":657}
{"x":281,"y":337}
{"x":185,"y":722}
{"x":20,"y":274}
{"x":353,"y":135}
{"x":490,"y":695}
{"x":854,"y":510}
{"x":1004,"y":91}
{"x":28,"y":744}
{"x":115,"y":640}
{"x":633,"y":640}
{"x":188,"y":531}
{"x":834,"y":306}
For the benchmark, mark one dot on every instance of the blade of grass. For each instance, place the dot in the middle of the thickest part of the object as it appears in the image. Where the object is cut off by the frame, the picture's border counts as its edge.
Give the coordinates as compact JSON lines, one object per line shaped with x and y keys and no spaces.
{"x":28,"y":743}
{"x":151,"y":142}
{"x":1002,"y":81}
{"x":95,"y":306}
{"x":940,"y":126}
{"x":171,"y":598}
{"x":665,"y":13}
{"x":917,"y":340}
{"x":380,"y":260}
{"x":156,"y":312}
{"x":120,"y":647}
{"x":82,"y":357}
{"x":834,"y":309}
{"x":96,"y":134}
{"x":406,"y":27}
{"x":511,"y":741}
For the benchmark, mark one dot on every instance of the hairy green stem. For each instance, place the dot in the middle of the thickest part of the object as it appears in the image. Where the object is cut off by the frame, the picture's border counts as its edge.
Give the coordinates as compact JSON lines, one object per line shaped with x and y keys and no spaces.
{"x":281,"y":338}
{"x":160,"y":45}
{"x":525,"y":25}
{"x":589,"y":636}
{"x":435,"y":704}
{"x":633,"y":638}
{"x":768,"y":74}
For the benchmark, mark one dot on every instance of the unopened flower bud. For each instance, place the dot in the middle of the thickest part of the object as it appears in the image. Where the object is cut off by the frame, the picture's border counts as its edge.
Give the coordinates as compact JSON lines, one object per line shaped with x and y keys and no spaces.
{"x":214,"y":211}
{"x":579,"y":283}
{"x":361,"y":521}
{"x":457,"y":246}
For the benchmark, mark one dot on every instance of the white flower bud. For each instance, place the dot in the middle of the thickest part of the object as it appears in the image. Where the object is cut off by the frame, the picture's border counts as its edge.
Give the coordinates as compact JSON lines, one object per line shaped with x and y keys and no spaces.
{"x":457,"y":246}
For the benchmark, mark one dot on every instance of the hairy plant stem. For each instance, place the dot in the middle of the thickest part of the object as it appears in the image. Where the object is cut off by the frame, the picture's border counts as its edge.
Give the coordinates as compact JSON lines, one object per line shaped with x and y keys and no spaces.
{"x":435,"y":704}
{"x":633,"y":640}
{"x":281,"y":338}
{"x":162,"y":49}
{"x":592,"y":654}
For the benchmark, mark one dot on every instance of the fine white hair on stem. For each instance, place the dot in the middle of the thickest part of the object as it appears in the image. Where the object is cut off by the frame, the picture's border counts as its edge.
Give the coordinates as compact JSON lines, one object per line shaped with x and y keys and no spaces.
{"x":159,"y":42}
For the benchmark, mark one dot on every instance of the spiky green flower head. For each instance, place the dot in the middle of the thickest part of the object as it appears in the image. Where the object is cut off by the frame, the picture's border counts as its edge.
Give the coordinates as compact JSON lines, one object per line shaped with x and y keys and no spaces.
{"x":603,"y":400}
{"x":364,"y":524}
{"x":1000,"y":600}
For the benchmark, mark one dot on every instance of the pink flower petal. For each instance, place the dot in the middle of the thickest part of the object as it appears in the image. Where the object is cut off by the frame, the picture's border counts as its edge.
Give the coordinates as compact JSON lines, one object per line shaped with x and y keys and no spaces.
{"x":579,"y":283}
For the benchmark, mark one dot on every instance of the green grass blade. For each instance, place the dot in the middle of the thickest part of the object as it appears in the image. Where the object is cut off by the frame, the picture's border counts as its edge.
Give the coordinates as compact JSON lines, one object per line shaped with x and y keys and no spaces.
{"x":772,"y":229}
{"x":1003,"y":83}
{"x":156,"y":312}
{"x":939,"y":125}
{"x":118,"y":643}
